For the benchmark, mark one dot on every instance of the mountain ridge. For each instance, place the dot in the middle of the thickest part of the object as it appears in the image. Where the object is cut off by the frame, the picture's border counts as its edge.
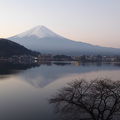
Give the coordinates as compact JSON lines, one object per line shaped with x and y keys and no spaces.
{"x":9,"y":48}
{"x":44,"y":40}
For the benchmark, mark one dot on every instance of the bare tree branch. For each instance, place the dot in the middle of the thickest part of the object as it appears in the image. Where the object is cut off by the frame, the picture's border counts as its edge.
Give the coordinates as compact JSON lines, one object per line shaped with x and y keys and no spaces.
{"x":99,"y":99}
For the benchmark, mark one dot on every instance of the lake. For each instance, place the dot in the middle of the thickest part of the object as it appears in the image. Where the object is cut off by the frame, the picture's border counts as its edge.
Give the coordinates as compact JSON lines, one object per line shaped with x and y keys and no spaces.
{"x":24,"y":92}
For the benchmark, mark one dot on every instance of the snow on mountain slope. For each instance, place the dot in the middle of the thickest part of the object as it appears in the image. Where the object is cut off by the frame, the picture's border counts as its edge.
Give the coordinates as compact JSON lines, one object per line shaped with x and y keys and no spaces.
{"x":44,"y":40}
{"x":38,"y":31}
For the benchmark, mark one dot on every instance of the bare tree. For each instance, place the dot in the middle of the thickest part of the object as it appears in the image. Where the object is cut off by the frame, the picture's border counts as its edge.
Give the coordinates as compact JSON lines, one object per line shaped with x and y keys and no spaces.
{"x":95,"y":100}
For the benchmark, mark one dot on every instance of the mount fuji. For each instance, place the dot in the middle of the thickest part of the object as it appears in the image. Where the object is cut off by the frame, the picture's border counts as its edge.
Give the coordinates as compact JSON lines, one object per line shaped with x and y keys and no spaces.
{"x":44,"y":40}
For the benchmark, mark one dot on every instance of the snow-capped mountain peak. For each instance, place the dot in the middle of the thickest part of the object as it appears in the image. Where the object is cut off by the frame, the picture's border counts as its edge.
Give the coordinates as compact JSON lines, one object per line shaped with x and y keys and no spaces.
{"x":44,"y":40}
{"x":38,"y":31}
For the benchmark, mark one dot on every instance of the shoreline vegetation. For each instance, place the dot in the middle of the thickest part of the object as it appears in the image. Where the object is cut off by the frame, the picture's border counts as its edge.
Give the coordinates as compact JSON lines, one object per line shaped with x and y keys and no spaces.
{"x":45,"y":58}
{"x":16,"y":66}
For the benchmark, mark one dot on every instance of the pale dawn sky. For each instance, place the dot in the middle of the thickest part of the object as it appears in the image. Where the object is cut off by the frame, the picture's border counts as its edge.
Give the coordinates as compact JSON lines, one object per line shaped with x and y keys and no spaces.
{"x":92,"y":21}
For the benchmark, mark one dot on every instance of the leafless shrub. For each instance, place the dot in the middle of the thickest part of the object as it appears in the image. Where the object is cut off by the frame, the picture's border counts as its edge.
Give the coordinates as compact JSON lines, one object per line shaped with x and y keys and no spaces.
{"x":98,"y":99}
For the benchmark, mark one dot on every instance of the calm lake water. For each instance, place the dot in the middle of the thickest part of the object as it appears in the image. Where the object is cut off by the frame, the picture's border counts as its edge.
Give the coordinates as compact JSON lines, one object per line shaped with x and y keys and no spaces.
{"x":24,"y":92}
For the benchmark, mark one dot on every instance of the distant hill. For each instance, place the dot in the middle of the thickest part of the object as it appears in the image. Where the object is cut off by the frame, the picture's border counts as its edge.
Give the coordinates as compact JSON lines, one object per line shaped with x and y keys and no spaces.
{"x":9,"y":48}
{"x":42,"y":39}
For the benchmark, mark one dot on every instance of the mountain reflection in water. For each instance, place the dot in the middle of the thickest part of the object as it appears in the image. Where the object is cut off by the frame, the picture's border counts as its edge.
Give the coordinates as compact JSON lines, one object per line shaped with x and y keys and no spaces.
{"x":42,"y":74}
{"x":25,"y":89}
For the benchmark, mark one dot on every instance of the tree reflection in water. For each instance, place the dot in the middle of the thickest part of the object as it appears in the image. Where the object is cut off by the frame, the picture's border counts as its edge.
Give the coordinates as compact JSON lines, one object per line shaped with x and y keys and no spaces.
{"x":98,"y":99}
